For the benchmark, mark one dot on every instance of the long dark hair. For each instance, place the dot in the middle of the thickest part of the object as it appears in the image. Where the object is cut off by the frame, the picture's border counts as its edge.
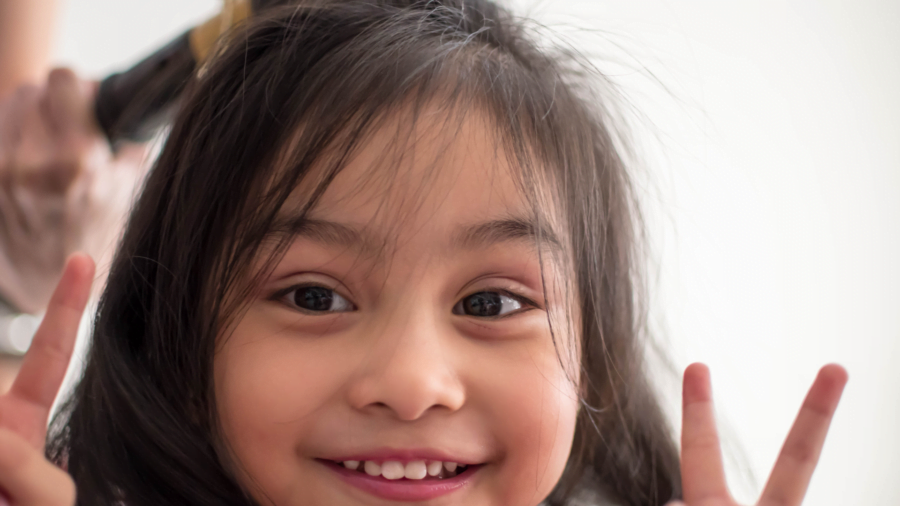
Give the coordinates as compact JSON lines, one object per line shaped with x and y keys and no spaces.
{"x":301,"y":85}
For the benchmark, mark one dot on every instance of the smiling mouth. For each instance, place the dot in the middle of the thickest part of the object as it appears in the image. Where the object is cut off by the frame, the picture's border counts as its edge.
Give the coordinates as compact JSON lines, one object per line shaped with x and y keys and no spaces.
{"x":384,"y":479}
{"x":415,"y":471}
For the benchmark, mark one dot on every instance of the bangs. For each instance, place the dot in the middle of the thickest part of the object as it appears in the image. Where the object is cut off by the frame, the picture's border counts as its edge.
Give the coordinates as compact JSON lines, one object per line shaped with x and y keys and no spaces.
{"x":392,"y":76}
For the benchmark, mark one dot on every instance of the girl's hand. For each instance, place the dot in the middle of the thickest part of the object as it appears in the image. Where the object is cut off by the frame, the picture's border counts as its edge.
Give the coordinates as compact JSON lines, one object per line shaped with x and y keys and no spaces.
{"x":703,"y":477}
{"x":26,"y":477}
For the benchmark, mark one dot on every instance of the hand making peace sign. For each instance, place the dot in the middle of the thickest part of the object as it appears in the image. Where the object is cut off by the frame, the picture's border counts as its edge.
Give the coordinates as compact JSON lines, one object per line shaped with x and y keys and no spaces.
{"x":702,"y":474}
{"x":26,"y":477}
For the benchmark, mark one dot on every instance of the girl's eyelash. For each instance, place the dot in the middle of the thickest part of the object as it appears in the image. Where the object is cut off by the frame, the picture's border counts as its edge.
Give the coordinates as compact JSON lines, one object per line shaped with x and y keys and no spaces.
{"x":284,"y":291}
{"x":530,"y":304}
{"x":525,"y":301}
{"x":279,"y":296}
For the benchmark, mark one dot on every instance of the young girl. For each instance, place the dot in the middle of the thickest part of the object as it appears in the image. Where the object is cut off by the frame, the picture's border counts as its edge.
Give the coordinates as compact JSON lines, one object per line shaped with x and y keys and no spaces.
{"x":386,"y":255}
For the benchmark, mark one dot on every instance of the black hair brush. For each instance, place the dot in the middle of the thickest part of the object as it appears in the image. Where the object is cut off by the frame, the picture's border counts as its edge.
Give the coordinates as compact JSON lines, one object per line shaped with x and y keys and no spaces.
{"x":132,"y":105}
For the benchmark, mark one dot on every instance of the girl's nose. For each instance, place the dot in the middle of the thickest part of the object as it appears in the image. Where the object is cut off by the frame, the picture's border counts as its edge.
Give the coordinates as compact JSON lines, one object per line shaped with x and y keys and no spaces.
{"x":408,"y":374}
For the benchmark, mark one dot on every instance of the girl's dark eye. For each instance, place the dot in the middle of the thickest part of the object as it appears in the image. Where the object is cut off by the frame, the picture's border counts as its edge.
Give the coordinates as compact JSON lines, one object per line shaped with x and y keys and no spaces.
{"x":488,"y":304}
{"x":318,"y":299}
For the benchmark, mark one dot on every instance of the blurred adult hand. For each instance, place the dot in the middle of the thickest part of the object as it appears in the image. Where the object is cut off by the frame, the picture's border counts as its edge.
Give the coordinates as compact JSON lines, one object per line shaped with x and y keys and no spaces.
{"x":62,"y":189}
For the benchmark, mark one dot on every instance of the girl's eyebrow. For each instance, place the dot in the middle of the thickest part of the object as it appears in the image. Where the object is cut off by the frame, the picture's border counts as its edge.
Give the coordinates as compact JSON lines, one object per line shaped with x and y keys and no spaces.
{"x":513,"y":229}
{"x":481,"y":235}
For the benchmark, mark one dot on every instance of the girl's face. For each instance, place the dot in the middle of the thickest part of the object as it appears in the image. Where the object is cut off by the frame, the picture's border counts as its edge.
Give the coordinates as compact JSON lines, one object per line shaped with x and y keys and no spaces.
{"x":400,"y":350}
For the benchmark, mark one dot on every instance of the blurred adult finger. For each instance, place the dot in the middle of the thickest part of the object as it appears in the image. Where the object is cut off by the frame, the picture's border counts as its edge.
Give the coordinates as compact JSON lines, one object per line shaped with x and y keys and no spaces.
{"x":68,"y":102}
{"x":14,"y":110}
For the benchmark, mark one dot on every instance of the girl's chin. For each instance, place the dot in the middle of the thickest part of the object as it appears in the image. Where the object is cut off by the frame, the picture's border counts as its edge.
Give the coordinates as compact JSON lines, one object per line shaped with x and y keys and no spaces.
{"x":405,"y":489}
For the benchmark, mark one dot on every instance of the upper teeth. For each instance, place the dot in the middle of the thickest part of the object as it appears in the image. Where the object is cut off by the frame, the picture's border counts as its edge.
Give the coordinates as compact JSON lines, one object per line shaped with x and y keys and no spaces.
{"x":394,"y":470}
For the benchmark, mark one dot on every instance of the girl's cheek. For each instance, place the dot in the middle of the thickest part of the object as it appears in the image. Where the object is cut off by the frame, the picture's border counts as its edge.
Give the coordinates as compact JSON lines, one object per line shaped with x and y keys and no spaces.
{"x":268,"y":383}
{"x":531,"y":405}
{"x":268,"y":370}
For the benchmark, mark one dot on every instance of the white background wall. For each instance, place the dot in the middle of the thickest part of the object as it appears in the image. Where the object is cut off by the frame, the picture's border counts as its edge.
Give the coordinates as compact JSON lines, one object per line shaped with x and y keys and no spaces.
{"x":773,"y":200}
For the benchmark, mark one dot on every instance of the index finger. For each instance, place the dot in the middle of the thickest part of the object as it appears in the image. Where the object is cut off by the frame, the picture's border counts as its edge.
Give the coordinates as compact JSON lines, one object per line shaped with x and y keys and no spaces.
{"x":44,"y":365}
{"x":702,"y":473}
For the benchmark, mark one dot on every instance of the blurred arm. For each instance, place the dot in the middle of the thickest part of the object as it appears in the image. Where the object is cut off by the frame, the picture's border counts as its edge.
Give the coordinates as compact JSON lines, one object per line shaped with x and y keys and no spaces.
{"x":26,"y":41}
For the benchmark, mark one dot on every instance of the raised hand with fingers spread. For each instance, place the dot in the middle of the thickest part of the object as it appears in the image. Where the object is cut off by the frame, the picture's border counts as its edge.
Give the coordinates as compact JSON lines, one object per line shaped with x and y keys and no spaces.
{"x":62,"y":188}
{"x":703,"y":475}
{"x":26,"y":477}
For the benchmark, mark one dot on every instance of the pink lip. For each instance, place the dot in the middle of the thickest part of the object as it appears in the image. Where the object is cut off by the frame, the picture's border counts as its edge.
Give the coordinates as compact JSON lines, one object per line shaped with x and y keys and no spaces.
{"x":403,"y":489}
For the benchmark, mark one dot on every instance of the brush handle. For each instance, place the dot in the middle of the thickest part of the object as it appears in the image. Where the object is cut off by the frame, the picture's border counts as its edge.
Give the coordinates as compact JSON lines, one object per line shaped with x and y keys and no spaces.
{"x":132,"y":105}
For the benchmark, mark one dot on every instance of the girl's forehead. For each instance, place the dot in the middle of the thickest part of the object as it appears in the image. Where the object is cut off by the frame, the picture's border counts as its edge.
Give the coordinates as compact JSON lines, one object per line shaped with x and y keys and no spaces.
{"x":430,"y":170}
